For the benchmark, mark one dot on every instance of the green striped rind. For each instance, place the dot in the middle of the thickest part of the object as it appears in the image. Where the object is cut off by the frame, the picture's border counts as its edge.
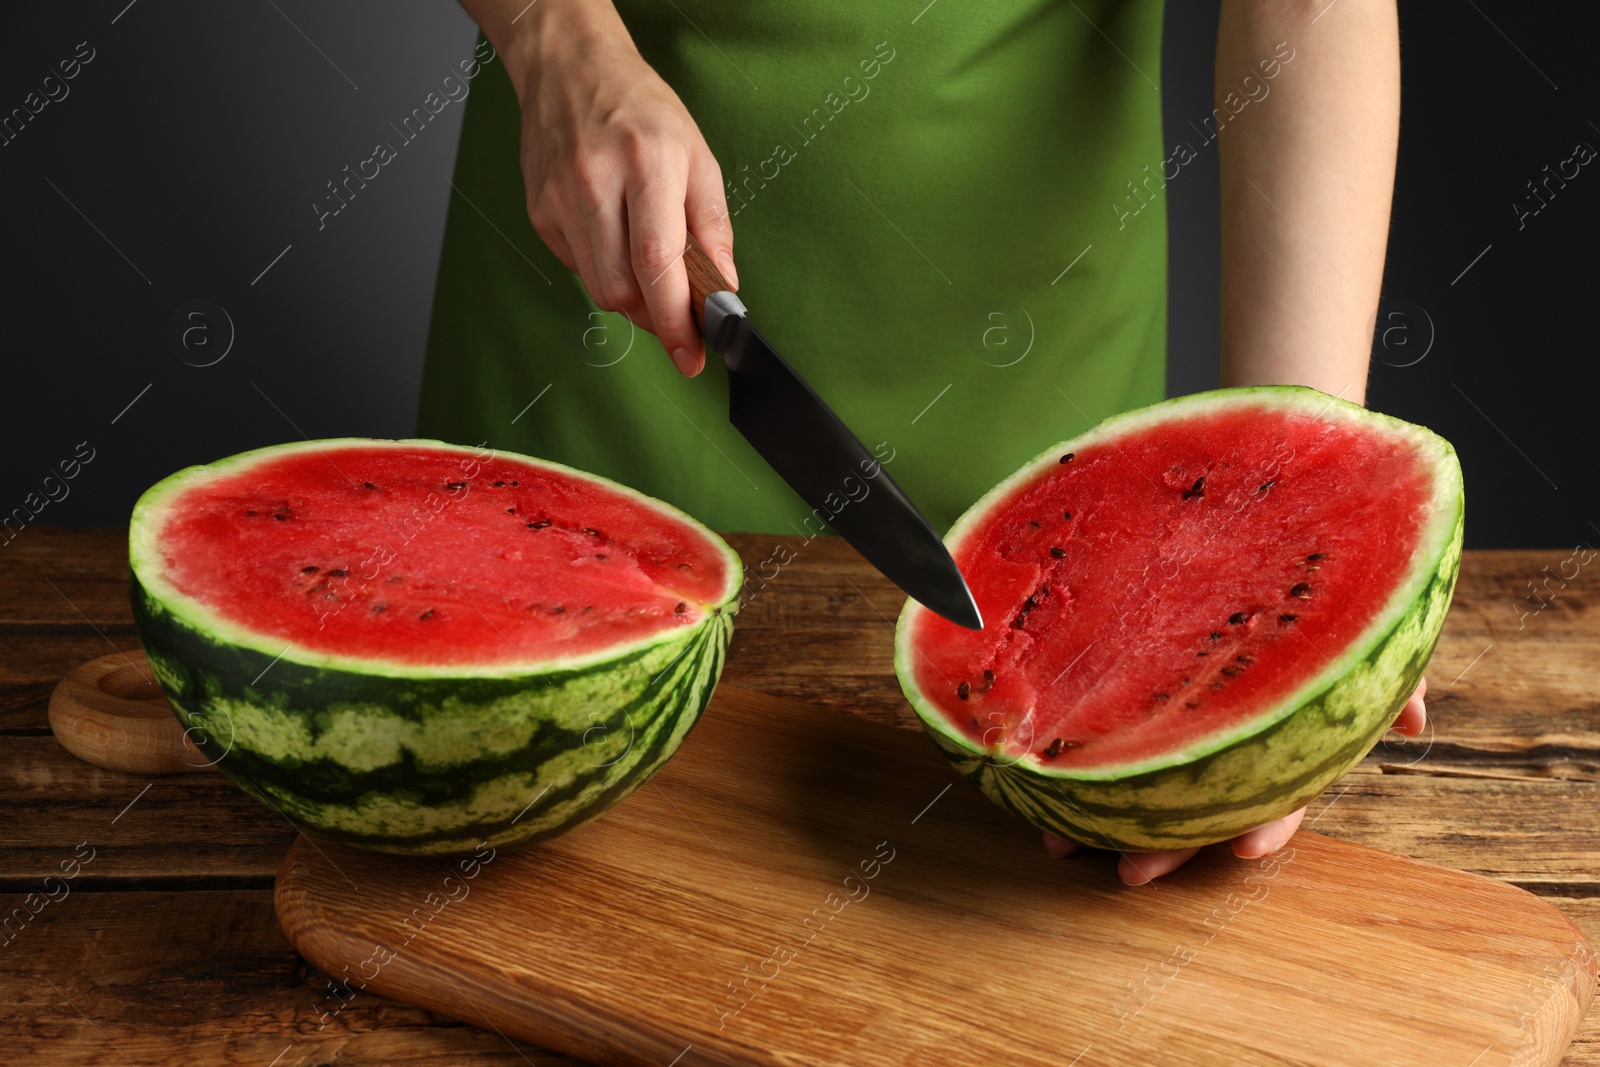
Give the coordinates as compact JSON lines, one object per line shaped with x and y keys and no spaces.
{"x":1262,"y":769}
{"x":434,"y":764}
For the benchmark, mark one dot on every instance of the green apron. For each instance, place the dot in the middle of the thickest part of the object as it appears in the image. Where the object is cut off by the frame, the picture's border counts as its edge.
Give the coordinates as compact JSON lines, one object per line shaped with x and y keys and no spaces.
{"x":950,"y":223}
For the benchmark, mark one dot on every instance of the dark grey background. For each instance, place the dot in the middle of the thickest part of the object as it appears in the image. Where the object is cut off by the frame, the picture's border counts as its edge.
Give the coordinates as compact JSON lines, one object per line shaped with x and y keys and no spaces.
{"x":197,"y":139}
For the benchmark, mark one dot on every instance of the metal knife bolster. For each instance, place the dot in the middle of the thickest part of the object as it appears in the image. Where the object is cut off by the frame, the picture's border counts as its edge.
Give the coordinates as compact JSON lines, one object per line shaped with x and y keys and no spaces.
{"x":722,"y":308}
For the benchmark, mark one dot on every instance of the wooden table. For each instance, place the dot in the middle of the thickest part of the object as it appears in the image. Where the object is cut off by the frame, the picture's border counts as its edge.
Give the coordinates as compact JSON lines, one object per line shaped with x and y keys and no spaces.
{"x":164,"y":948}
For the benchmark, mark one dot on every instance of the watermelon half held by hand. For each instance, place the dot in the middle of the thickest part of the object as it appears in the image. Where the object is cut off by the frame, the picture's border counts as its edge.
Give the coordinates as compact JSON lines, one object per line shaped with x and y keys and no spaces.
{"x":417,"y":647}
{"x":1200,"y":614}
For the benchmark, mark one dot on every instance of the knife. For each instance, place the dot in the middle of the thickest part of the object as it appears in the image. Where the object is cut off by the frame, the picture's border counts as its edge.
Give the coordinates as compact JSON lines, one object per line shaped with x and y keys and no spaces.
{"x":814,"y":451}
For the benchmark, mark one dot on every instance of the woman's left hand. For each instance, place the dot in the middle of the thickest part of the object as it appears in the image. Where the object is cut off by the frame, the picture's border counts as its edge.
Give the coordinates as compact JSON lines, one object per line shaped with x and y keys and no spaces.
{"x":1137,"y":868}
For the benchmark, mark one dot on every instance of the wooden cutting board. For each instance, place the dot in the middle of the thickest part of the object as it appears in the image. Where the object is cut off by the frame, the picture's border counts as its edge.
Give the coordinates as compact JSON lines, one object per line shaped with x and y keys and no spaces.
{"x":801,"y":887}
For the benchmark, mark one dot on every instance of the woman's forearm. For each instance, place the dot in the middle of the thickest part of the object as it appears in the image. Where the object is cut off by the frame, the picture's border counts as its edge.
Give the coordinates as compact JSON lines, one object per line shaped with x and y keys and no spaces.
{"x":1307,"y":178}
{"x":519,"y":28}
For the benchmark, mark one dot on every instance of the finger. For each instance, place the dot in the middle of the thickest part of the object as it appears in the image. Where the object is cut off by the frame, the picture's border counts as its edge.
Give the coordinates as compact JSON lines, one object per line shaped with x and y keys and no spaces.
{"x":574,"y":234}
{"x":1265,"y":840}
{"x":656,"y":229}
{"x":1137,"y":868}
{"x":1057,"y":846}
{"x":610,"y":279}
{"x":560,"y":217}
{"x":1413,"y":717}
{"x":548,"y":226}
{"x":706,"y":208}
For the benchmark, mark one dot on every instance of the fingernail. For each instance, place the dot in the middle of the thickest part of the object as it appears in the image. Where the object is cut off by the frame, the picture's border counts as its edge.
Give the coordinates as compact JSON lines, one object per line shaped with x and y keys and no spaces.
{"x":683,"y":361}
{"x":728,"y":272}
{"x":1258,"y":847}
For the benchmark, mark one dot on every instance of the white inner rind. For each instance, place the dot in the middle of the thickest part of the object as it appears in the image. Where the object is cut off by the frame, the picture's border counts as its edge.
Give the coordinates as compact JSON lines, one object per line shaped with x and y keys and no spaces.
{"x":146,"y":560}
{"x":1434,"y":539}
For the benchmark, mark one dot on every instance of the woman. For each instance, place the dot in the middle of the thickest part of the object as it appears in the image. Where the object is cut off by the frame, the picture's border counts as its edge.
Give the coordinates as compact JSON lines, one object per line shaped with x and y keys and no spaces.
{"x":952,"y":221}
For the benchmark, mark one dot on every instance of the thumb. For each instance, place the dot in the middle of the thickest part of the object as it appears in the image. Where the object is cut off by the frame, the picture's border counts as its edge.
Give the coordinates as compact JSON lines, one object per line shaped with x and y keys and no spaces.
{"x":706,"y":211}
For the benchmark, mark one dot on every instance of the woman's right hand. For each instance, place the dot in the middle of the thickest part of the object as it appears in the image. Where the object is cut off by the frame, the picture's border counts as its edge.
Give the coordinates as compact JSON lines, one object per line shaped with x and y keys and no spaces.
{"x":616,"y":170}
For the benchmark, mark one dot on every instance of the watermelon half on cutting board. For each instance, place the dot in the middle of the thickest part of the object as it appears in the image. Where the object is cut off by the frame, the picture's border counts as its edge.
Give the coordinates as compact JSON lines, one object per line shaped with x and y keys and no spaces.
{"x":1200,"y":614}
{"x":418,"y":647}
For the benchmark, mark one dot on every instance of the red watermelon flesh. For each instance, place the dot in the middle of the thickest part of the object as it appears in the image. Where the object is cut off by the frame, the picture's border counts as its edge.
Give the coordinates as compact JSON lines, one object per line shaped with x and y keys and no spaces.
{"x":422,"y":555}
{"x":1169,"y":583}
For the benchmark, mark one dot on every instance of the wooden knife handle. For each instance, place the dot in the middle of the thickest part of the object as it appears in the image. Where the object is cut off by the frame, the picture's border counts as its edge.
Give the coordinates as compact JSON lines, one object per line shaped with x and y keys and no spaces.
{"x":704,"y":279}
{"x":110,"y":712}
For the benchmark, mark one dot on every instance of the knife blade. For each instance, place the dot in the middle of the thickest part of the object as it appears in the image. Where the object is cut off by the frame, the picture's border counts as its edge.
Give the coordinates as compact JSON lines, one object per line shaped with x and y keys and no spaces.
{"x":812,"y":449}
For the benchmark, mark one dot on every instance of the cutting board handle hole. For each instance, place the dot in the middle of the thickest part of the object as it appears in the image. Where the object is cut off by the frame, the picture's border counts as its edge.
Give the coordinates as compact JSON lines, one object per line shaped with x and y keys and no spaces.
{"x":128,"y":682}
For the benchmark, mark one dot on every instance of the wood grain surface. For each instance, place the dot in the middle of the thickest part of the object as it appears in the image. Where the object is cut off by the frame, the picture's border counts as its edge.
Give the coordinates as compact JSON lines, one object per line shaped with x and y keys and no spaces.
{"x":148,"y":950}
{"x":111,"y":712}
{"x":705,"y":278}
{"x":799,"y":887}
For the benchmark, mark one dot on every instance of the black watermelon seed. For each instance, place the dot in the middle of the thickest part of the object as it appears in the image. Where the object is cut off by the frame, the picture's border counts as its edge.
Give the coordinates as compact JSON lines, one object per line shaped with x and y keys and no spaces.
{"x":1316,"y":556}
{"x":557,"y":610}
{"x":1199,"y":653}
{"x":511,"y":511}
{"x":513,"y":483}
{"x":963,"y":690}
{"x":1302,"y":591}
{"x":379,"y":609}
{"x":498,"y":484}
{"x":1068,"y":457}
{"x":250,"y":511}
{"x":426,"y":614}
{"x":369,"y":485}
{"x":1197,"y":489}
{"x":282,"y":516}
{"x":1067,"y":515}
{"x":1053,"y":750}
{"x":1163,"y":697}
{"x":1191,"y":705}
{"x":1022,"y":616}
{"x":337,"y":573}
{"x":1246,"y":660}
{"x":1264,"y":486}
{"x":681,"y":608}
{"x":601,"y":555}
{"x":308,"y":570}
{"x":1238,"y":618}
{"x":1230,"y":671}
{"x":455,"y":485}
{"x":988,"y":682}
{"x":1034,"y":523}
{"x":1216,"y":637}
{"x":1057,"y":552}
{"x":591,"y":531}
{"x":1287,"y":618}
